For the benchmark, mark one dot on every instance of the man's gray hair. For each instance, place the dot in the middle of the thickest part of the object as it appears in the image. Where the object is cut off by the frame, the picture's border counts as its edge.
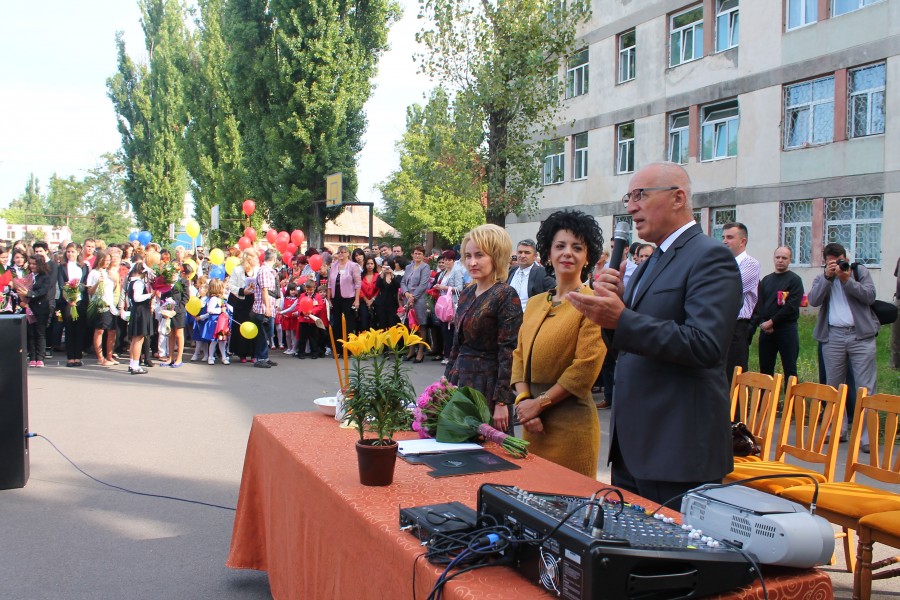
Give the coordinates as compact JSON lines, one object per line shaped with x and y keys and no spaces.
{"x":527,"y":242}
{"x":271,"y":253}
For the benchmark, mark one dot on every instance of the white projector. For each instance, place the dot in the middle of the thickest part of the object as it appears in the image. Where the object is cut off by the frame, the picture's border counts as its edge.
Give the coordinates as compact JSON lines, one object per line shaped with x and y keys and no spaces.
{"x":774,"y":530}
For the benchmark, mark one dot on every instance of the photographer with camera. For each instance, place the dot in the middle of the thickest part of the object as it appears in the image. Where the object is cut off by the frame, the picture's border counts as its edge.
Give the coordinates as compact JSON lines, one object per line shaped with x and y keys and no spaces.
{"x":846,"y":326}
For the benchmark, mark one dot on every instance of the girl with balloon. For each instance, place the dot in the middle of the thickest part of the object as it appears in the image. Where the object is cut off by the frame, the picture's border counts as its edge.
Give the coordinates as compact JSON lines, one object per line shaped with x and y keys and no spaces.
{"x":198,"y":318}
{"x":217,"y":328}
{"x":290,"y":318}
{"x":310,"y":306}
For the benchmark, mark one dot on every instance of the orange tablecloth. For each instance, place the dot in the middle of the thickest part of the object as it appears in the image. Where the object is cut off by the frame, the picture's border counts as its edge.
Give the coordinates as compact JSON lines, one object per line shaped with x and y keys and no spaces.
{"x":303,"y":517}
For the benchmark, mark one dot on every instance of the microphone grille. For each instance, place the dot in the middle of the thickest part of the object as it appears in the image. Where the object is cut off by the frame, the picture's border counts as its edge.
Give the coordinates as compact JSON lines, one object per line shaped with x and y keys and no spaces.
{"x":622,"y":229}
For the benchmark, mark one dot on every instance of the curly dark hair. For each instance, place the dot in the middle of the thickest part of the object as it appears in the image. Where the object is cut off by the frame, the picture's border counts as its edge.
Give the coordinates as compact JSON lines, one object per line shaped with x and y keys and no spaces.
{"x":583,"y":226}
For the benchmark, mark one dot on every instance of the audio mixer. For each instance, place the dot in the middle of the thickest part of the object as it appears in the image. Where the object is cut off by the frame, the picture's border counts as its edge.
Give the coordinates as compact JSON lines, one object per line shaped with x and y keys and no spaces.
{"x":614,"y":550}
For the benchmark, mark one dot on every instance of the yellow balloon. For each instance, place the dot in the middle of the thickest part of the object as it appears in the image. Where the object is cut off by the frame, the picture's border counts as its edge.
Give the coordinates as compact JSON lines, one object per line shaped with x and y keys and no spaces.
{"x":249,"y":330}
{"x":194,"y":305}
{"x":230,"y":263}
{"x":217,"y":257}
{"x":192,"y":228}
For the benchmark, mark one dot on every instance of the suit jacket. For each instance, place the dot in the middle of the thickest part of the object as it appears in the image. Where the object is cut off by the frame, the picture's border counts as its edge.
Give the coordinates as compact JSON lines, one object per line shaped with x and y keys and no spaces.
{"x":538,"y":280}
{"x":671,"y":418}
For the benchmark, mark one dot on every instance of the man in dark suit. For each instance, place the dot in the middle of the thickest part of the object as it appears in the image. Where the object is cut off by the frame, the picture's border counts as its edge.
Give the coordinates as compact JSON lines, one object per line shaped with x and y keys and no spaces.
{"x":529,"y":278}
{"x":670,"y":422}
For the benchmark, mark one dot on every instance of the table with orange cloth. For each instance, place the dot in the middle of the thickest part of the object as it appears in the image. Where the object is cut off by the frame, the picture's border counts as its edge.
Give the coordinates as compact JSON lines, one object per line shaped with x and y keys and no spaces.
{"x":303,"y":517}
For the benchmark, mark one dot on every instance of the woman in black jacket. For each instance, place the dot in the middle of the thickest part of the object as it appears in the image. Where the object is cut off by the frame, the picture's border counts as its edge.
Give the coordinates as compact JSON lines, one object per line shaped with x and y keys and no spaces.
{"x":73,"y":267}
{"x":38,"y":300}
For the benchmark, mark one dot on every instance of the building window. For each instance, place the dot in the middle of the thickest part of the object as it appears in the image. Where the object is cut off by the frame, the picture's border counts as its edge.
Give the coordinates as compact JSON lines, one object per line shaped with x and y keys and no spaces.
{"x":577,"y":74}
{"x":698,"y":217}
{"x":686,"y":36}
{"x":802,"y":12}
{"x":628,"y":221}
{"x":796,"y":230}
{"x":625,"y":148}
{"x":809,"y":113}
{"x":718,"y":218}
{"x":855,"y":223}
{"x":678,"y":138}
{"x":727,"y":24}
{"x":554,"y":161}
{"x":866,"y":104}
{"x":580,"y":156}
{"x":841,"y":7}
{"x":627,"y":54}
{"x":719,"y":131}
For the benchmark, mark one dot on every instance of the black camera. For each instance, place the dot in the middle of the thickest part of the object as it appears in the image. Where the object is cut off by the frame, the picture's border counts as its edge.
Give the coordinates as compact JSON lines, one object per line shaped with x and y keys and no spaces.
{"x":843,"y":265}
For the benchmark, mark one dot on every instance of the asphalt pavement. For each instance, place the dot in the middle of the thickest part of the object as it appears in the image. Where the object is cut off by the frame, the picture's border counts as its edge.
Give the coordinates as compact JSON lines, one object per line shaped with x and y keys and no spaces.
{"x":174,"y":432}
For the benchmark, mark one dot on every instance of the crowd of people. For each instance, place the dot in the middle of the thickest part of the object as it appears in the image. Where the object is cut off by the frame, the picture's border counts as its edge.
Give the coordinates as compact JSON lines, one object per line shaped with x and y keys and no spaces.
{"x":536,"y":331}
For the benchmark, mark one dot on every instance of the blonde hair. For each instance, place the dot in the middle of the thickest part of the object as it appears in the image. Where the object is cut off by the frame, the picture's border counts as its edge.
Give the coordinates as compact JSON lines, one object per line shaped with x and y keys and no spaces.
{"x":496,"y":243}
{"x":152,"y":258}
{"x":216,"y":287}
{"x":247,"y":259}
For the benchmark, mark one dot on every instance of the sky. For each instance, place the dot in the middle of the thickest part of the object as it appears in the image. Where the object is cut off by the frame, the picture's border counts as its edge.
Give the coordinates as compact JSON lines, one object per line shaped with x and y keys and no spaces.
{"x":55,"y":117}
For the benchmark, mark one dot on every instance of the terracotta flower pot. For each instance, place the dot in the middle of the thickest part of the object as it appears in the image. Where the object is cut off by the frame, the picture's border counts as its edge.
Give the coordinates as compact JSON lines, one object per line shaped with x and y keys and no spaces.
{"x":376,"y":463}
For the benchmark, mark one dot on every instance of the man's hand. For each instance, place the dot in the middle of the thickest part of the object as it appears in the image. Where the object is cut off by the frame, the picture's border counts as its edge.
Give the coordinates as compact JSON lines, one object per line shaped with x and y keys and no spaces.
{"x":844,"y":275}
{"x":767,"y":326}
{"x":603,"y":308}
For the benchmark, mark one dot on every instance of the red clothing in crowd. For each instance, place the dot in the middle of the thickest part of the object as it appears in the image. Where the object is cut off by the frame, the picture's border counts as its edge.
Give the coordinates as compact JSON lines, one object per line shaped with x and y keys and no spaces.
{"x":318,"y":309}
{"x":369,"y":289}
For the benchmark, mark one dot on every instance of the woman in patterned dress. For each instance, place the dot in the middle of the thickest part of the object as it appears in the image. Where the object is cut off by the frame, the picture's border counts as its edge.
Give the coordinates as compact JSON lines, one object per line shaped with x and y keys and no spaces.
{"x":488,"y":318}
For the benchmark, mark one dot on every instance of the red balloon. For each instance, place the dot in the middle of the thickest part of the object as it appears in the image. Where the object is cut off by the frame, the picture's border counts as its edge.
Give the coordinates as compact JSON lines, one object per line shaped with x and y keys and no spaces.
{"x":315,"y":262}
{"x":250,"y":233}
{"x":286,"y":258}
{"x":281,"y":245}
{"x":302,"y":279}
{"x":249,"y":207}
{"x":271,"y":235}
{"x":283,"y":235}
{"x":305,"y":304}
{"x":244,"y":243}
{"x":291,"y":248}
{"x":297,"y":237}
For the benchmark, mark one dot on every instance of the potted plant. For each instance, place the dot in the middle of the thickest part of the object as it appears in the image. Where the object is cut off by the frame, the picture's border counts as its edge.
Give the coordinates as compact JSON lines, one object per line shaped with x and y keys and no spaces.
{"x":378,"y":398}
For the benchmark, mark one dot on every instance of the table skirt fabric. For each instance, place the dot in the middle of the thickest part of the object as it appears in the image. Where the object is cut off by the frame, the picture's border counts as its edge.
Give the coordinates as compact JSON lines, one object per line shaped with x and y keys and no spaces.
{"x":303,"y":517}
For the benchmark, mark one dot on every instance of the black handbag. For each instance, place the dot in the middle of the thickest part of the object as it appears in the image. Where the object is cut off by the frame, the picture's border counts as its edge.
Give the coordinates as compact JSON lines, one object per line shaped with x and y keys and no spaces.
{"x":885,"y":312}
{"x":743,"y":442}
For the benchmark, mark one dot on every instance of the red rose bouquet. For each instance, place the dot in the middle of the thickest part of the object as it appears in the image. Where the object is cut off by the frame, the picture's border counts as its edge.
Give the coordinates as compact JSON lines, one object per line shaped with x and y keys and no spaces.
{"x":72,"y":293}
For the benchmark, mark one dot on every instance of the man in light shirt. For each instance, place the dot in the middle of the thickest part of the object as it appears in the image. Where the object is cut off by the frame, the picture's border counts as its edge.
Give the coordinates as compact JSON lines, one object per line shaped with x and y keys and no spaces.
{"x":529,"y":278}
{"x":734,"y":236}
{"x":846,"y":326}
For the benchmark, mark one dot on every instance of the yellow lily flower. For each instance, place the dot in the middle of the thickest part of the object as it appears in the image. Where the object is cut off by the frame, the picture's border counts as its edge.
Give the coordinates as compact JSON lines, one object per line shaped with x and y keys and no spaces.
{"x":394,"y":335}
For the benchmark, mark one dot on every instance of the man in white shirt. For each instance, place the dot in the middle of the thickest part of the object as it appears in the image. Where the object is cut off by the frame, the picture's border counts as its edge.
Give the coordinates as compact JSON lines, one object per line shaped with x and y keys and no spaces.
{"x":530,"y":278}
{"x":734,"y":236}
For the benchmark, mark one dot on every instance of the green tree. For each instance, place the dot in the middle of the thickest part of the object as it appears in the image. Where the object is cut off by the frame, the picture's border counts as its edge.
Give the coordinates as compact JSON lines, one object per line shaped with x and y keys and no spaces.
{"x":105,"y":199}
{"x":502,"y":58}
{"x":213,"y":149}
{"x":440,"y":185}
{"x":64,"y":197}
{"x":29,"y":207}
{"x":299,"y":77}
{"x":149,"y":102}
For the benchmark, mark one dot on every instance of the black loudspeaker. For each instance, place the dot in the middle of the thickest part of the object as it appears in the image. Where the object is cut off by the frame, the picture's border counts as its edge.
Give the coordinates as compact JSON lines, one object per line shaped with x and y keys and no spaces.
{"x":14,"y":465}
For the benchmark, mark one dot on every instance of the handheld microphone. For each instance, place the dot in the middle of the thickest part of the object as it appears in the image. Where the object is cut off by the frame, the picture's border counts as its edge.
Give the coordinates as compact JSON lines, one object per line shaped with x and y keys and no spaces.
{"x":620,"y":242}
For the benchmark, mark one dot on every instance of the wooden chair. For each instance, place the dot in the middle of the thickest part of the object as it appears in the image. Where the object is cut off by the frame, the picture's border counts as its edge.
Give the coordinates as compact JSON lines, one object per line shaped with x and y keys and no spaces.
{"x":754,"y":402}
{"x":811,"y":415}
{"x":883,"y":528}
{"x":844,"y":503}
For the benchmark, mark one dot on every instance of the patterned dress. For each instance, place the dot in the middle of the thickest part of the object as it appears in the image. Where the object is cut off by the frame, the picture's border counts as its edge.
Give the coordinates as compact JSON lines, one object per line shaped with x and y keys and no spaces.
{"x":487,"y":329}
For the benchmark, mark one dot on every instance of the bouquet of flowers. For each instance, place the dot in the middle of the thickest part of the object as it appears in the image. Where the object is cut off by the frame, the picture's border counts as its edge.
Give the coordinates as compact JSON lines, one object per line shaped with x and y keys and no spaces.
{"x":168,"y":275}
{"x":166,"y":311}
{"x":97,"y":303}
{"x":25,"y":283}
{"x":458,"y":414}
{"x":72,"y":293}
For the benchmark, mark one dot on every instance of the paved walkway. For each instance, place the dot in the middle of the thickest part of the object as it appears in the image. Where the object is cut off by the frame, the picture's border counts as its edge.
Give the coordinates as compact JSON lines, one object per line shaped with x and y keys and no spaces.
{"x":178,"y":432}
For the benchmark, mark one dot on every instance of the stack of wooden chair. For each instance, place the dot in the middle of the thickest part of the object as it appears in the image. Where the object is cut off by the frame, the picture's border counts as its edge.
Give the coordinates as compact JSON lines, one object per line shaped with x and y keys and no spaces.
{"x":811,"y":419}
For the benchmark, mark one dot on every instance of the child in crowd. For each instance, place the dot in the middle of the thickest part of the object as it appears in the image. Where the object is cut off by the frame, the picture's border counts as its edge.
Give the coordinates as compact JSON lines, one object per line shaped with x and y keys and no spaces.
{"x":201,"y":345}
{"x":308,"y":329}
{"x":290,"y":319}
{"x":279,"y":306}
{"x":218,"y":325}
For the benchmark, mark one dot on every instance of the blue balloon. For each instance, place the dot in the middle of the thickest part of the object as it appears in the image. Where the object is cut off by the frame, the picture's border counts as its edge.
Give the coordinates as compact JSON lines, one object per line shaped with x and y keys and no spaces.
{"x":145,"y":237}
{"x":132,"y":236}
{"x":217,"y":272}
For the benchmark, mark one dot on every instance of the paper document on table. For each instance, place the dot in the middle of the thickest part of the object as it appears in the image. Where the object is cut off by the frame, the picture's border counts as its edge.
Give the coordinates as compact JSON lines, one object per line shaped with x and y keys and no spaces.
{"x":432,"y":446}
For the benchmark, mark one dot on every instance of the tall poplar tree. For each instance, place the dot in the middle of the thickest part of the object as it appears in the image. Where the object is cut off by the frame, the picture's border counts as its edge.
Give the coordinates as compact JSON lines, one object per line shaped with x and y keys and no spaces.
{"x":149,"y":103}
{"x":213,"y":149}
{"x":502,"y":59}
{"x":300,"y":74}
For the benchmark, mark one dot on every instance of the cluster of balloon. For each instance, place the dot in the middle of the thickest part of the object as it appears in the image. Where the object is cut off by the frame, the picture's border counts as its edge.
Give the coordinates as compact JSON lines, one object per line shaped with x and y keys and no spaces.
{"x":315,"y":262}
{"x":249,"y":330}
{"x":193,"y":306}
{"x":249,"y":207}
{"x":192,"y":228}
{"x":145,"y":237}
{"x":230,"y":263}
